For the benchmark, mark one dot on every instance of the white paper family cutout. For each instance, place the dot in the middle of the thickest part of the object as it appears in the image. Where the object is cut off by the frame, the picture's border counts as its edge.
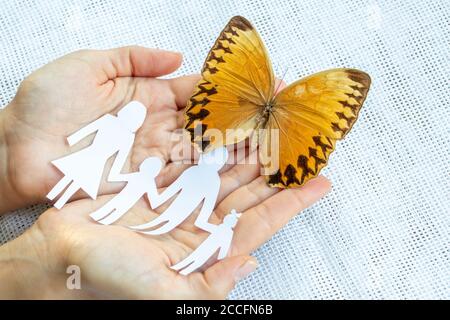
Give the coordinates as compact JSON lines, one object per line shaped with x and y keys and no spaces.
{"x":197,"y":185}
{"x":219,"y":240}
{"x":84,"y":169}
{"x":138,"y":184}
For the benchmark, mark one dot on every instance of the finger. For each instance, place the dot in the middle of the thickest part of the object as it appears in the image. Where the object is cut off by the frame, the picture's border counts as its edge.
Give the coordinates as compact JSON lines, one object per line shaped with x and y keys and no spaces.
{"x":219,"y":279}
{"x":137,"y":61}
{"x":132,"y":61}
{"x":239,"y":175}
{"x":183,"y":87}
{"x":170,"y":173}
{"x":265,"y":219}
{"x":246,"y":197}
{"x":237,"y":154}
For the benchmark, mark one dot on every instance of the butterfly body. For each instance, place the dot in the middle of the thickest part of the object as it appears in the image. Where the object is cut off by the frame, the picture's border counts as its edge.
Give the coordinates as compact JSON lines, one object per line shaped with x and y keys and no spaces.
{"x":304,"y":120}
{"x":267,"y":109}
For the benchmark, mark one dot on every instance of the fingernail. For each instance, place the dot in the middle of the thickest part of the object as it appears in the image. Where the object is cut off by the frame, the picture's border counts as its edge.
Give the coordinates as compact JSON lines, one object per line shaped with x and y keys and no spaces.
{"x":177,"y":53}
{"x":172,"y":52}
{"x":248,"y":267}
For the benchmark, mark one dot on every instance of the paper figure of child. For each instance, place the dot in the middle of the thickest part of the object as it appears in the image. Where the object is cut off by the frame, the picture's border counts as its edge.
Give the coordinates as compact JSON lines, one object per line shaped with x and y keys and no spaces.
{"x":220,"y":239}
{"x":84,"y":169}
{"x":138,"y":184}
{"x":197,"y":184}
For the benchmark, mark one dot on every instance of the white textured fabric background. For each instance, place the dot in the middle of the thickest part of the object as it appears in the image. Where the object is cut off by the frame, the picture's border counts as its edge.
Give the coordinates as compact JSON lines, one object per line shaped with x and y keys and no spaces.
{"x":384,"y":230}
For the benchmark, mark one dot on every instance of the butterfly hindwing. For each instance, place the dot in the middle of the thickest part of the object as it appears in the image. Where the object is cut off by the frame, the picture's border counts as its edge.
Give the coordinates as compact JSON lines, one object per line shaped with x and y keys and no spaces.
{"x":237,"y":80}
{"x":311,"y":114}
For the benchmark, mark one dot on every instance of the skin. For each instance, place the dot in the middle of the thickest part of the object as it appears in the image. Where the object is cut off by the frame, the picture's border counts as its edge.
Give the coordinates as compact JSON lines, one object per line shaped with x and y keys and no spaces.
{"x":116,"y":262}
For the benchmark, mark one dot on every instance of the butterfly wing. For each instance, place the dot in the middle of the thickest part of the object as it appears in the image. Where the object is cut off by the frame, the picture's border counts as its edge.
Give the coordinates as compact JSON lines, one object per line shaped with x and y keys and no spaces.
{"x":237,"y":79}
{"x":311,"y":114}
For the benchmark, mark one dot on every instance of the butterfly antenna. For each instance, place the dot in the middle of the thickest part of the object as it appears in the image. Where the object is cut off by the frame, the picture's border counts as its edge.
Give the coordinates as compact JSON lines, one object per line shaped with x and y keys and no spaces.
{"x":282,"y":78}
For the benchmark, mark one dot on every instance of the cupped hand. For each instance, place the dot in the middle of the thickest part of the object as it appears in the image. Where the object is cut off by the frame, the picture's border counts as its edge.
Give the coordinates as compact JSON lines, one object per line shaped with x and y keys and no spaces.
{"x":117,"y":262}
{"x":70,"y":92}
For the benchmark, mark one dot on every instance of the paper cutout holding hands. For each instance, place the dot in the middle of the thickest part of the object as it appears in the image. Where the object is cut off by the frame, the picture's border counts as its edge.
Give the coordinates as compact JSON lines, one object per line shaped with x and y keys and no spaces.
{"x":197,"y":184}
{"x":84,"y":169}
{"x":138,"y":184}
{"x":220,"y":239}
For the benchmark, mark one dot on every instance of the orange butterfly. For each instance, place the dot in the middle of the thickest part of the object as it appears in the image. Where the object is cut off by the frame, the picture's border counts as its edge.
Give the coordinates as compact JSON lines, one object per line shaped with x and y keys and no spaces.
{"x":237,"y":91}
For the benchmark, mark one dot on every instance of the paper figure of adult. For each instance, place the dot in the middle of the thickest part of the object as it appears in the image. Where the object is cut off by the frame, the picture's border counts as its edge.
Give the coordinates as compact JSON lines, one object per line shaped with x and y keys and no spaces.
{"x":220,"y":239}
{"x":84,"y":169}
{"x":196,"y":184}
{"x":138,"y":184}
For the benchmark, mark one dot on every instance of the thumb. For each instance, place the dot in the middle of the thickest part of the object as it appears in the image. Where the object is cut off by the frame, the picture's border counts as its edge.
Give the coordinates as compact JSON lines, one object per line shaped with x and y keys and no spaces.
{"x":223,"y":275}
{"x":135,"y":61}
{"x":131,"y":61}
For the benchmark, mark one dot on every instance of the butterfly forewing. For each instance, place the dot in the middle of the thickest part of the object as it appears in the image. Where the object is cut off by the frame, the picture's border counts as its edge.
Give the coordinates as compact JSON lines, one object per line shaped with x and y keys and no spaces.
{"x":311,"y":114}
{"x":237,"y":80}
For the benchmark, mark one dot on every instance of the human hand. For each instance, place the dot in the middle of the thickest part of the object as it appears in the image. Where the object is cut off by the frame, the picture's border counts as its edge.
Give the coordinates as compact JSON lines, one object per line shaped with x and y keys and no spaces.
{"x":70,"y":92}
{"x":116,"y":262}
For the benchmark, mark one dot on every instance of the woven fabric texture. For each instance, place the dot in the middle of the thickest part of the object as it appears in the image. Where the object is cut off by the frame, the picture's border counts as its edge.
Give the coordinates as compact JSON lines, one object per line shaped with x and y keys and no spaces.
{"x":384,"y":230}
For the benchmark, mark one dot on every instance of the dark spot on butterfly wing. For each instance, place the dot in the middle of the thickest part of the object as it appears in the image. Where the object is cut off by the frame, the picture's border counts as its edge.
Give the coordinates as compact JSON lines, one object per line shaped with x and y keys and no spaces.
{"x":317,"y":159}
{"x":318,"y":142}
{"x":302,"y":163}
{"x":354,"y":107}
{"x":349,"y":120}
{"x":276,"y":179}
{"x":213,"y":70}
{"x":241,"y":23}
{"x":198,"y":135}
{"x":213,"y":56}
{"x":220,"y":46}
{"x":290,"y":174}
{"x":203,"y":89}
{"x":359,"y":76}
{"x":202,"y":114}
